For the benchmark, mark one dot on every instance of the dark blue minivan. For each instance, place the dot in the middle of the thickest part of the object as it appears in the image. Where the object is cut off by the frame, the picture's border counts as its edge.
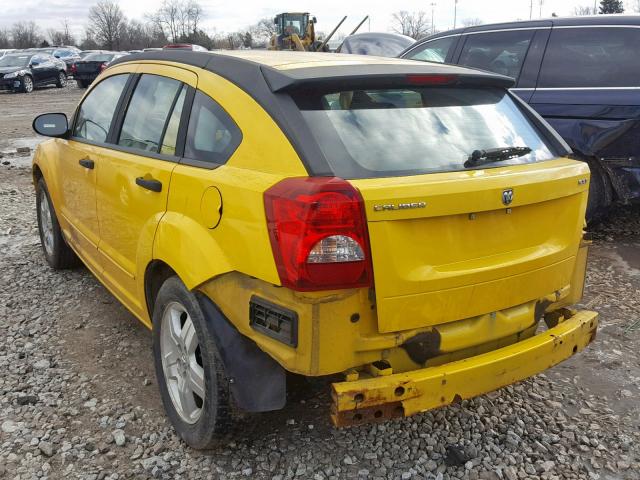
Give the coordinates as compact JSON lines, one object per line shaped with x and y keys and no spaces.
{"x":582,"y":74}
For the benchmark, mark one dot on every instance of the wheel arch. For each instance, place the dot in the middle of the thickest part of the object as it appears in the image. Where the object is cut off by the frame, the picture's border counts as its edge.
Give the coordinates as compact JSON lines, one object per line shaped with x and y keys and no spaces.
{"x":155,"y":275}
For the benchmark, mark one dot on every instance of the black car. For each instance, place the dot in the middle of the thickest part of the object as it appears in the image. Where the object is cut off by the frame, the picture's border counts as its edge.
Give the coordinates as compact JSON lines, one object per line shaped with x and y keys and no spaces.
{"x":69,"y":55}
{"x":22,"y":72}
{"x":581,"y":74}
{"x":87,"y":69}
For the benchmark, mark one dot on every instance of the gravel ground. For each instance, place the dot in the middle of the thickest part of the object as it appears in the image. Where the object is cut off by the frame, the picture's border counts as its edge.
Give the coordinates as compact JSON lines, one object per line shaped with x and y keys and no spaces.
{"x":78,"y":397}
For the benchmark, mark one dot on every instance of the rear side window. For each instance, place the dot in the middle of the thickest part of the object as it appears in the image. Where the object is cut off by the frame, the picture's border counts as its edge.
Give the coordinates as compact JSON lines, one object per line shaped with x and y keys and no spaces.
{"x":499,"y":52}
{"x":212,"y":135}
{"x":95,"y":115}
{"x":148,"y":111}
{"x":433,"y":51}
{"x":396,"y":132}
{"x":591,"y":57}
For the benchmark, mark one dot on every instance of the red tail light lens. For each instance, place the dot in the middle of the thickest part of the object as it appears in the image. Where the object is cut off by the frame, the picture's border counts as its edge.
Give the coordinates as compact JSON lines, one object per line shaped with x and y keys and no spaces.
{"x":73,"y":68}
{"x":103,"y":66}
{"x":318,"y":233}
{"x":431,"y":79}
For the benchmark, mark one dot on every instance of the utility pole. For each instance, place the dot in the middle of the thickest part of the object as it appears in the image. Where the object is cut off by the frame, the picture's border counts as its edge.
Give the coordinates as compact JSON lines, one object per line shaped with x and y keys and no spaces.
{"x":433,"y":25}
{"x":595,"y":7}
{"x":530,"y":9}
{"x":541,"y":3}
{"x":455,"y":12}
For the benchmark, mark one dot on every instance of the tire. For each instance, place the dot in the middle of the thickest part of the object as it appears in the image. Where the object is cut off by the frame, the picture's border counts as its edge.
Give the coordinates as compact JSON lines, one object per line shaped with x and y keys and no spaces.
{"x":186,"y":370}
{"x":26,"y":84}
{"x":62,"y":80}
{"x":56,"y":251}
{"x":82,"y":83}
{"x":600,"y":192}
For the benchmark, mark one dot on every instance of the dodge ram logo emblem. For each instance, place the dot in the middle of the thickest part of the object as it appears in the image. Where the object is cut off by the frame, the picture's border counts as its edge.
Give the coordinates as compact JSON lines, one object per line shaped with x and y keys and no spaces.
{"x":507,"y":196}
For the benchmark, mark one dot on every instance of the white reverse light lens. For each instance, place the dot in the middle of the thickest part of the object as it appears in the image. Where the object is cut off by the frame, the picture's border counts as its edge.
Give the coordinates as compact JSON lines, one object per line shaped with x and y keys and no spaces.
{"x":334,"y":249}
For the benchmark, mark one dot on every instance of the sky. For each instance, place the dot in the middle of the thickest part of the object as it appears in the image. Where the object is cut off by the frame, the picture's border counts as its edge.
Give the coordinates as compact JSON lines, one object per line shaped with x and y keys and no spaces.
{"x":227,"y":16}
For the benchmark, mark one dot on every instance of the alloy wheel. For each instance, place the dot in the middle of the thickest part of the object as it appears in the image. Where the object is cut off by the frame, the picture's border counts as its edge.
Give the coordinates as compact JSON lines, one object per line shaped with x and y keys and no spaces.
{"x":27,"y":84}
{"x":182,"y":363}
{"x":63,"y":79}
{"x":46,"y":223}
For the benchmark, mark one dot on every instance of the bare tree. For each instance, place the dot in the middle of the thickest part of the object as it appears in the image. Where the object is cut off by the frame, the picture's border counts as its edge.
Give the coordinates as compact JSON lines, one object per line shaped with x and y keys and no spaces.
{"x":106,"y":22}
{"x":5,"y":39}
{"x":472,"y":22}
{"x":25,"y":35}
{"x":413,"y":24}
{"x":178,"y":19}
{"x":264,"y":30}
{"x":636,"y":6}
{"x":585,"y":10}
{"x":62,"y":36}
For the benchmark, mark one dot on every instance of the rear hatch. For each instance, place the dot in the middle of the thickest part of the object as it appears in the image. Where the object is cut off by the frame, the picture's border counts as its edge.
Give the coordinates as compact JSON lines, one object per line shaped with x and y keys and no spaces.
{"x":88,"y":67}
{"x":466,"y":253}
{"x":471,"y":206}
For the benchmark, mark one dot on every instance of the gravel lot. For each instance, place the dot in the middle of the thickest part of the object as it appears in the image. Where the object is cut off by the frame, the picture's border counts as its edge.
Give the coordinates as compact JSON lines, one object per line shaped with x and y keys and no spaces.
{"x":78,"y":398}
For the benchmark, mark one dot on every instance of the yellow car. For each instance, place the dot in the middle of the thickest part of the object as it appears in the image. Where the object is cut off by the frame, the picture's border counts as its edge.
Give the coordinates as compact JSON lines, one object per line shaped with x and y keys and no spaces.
{"x":413,"y":229}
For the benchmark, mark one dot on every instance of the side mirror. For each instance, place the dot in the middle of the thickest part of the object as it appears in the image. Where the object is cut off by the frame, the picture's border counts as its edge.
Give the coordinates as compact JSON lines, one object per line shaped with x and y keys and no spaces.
{"x":51,"y":124}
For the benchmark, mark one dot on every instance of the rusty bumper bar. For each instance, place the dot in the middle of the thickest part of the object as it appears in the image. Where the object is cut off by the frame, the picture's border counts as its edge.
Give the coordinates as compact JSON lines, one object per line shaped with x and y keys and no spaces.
{"x":405,"y":394}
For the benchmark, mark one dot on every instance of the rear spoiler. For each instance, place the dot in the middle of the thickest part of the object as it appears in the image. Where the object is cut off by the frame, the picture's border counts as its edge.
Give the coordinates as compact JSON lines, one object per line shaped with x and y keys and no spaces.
{"x":379,"y":76}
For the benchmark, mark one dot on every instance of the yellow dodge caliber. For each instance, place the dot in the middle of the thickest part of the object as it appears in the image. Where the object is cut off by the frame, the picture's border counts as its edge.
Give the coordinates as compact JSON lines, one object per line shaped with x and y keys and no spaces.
{"x":412,"y":228}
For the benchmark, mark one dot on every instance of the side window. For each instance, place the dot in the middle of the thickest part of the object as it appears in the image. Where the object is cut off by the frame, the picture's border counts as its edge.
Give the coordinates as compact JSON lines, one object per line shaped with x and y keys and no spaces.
{"x":170,"y":138}
{"x":212,"y":135}
{"x":95,"y":115}
{"x":148,"y":112}
{"x":433,"y":51}
{"x":499,"y":52}
{"x":591,"y":57}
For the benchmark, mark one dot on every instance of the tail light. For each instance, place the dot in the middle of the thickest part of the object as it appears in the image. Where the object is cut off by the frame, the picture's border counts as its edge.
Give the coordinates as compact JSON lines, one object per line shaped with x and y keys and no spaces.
{"x":318,"y":233}
{"x":103,"y":66}
{"x":73,"y":68}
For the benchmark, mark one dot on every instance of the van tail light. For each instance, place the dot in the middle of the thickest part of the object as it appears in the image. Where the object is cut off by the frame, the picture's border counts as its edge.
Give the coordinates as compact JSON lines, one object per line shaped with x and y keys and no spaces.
{"x":318,"y":233}
{"x":103,"y":66}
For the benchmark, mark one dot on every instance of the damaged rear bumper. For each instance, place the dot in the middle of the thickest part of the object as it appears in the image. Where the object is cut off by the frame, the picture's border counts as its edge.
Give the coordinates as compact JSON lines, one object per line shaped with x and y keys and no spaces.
{"x":407,"y":393}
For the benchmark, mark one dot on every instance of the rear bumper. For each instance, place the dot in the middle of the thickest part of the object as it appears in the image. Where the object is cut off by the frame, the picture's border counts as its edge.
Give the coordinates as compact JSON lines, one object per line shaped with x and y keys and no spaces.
{"x":405,"y":394}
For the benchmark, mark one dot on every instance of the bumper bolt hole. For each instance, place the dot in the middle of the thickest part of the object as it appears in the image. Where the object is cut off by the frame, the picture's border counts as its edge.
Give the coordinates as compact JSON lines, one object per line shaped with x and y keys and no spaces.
{"x":358,"y":398}
{"x":378,"y":414}
{"x":575,"y":348}
{"x":399,"y":391}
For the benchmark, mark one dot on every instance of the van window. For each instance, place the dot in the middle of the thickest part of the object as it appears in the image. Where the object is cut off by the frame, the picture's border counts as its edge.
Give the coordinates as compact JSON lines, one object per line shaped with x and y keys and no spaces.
{"x":433,"y":51}
{"x":591,"y":57}
{"x":499,"y":52}
{"x":95,"y":115}
{"x":148,"y":111}
{"x":212,"y":135}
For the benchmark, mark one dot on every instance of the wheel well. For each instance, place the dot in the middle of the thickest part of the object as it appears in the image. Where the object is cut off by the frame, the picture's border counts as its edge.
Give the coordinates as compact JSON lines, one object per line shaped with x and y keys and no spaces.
{"x":155,"y":275}
{"x":36,"y":173}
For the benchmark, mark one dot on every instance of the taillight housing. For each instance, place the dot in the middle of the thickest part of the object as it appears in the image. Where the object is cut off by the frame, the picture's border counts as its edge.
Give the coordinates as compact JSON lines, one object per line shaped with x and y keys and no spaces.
{"x":318,"y":233}
{"x":103,"y":66}
{"x":73,"y":68}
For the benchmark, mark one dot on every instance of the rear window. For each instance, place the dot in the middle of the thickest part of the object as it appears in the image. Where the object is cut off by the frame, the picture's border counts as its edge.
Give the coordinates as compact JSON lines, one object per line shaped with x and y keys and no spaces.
{"x":409,"y":131}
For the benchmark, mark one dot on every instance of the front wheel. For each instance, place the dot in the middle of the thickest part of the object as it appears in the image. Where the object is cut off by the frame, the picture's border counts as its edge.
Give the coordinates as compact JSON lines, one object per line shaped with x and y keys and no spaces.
{"x":62,"y":80}
{"x":26,"y":84}
{"x":56,"y":251}
{"x":193,"y":386}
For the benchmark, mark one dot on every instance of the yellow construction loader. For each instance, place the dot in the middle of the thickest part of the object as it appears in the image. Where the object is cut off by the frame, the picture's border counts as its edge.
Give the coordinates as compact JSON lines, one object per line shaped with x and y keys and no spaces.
{"x":296,"y":31}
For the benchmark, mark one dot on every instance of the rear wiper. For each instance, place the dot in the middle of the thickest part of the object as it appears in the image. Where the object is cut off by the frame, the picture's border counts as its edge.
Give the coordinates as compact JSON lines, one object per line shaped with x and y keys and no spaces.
{"x":480,"y":157}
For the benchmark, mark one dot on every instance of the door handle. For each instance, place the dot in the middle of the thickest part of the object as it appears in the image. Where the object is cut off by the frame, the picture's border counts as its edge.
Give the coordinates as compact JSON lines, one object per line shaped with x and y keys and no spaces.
{"x":87,"y":163}
{"x":153,"y":185}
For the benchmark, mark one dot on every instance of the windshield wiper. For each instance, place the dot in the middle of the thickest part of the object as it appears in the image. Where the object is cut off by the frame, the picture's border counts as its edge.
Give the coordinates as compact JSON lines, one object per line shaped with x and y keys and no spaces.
{"x":490,"y":155}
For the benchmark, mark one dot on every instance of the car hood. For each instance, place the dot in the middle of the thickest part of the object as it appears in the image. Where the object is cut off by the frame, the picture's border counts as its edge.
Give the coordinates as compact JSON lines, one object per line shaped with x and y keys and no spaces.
{"x":5,"y":70}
